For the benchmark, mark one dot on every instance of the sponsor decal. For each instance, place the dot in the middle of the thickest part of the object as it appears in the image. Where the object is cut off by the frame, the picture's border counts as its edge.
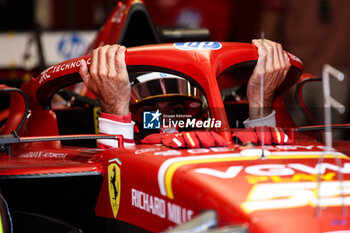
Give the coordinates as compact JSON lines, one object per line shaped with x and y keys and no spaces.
{"x":152,"y":120}
{"x":169,"y":167}
{"x":118,"y":16}
{"x":68,"y":66}
{"x":71,"y":45}
{"x":44,"y":76}
{"x":168,"y":153}
{"x":295,"y":58}
{"x":193,"y":151}
{"x":145,"y":150}
{"x":275,"y":172}
{"x":208,"y":45}
{"x":41,"y":154}
{"x":58,"y":68}
{"x":114,"y":187}
{"x":231,"y":172}
{"x":292,"y":195}
{"x":198,"y":151}
{"x":294,"y":147}
{"x":159,"y":207}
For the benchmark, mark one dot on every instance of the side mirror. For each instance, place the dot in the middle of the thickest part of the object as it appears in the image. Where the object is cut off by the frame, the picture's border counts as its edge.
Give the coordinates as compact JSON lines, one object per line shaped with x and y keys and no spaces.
{"x":18,"y":109}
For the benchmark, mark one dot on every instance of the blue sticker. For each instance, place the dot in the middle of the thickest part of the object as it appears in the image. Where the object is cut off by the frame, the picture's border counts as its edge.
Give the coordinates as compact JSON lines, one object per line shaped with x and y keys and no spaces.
{"x":151,"y":120}
{"x":71,"y":45}
{"x":208,"y":45}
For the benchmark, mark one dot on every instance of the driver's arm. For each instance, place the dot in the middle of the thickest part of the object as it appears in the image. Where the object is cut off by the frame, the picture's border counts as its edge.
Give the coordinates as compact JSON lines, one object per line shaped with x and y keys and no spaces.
{"x":273,"y":64}
{"x":108,"y":79}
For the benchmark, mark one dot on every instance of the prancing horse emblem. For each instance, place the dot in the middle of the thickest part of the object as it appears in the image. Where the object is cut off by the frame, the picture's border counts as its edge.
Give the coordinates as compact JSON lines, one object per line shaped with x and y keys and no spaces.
{"x":114,"y":187}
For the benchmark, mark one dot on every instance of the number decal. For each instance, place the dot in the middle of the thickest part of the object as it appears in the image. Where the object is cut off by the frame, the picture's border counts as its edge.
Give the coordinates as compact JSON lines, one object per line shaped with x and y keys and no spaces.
{"x":291,"y":195}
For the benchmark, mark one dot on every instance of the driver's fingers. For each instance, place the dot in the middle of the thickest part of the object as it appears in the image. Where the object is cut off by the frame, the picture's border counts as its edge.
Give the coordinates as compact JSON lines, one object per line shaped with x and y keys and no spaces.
{"x":260,"y":65}
{"x":84,"y":72}
{"x":111,"y":53}
{"x":288,"y":64}
{"x":120,"y":60}
{"x":281,"y":57}
{"x":278,"y":60}
{"x":102,"y":62}
{"x":269,"y":64}
{"x":94,"y":64}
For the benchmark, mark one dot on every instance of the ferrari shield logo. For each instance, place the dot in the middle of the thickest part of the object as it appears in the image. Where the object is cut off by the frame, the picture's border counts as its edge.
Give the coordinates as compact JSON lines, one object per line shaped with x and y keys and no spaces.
{"x":114,"y":187}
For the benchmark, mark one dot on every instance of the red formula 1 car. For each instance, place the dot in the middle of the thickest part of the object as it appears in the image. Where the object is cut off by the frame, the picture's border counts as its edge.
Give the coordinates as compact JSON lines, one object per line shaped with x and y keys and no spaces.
{"x":48,"y":185}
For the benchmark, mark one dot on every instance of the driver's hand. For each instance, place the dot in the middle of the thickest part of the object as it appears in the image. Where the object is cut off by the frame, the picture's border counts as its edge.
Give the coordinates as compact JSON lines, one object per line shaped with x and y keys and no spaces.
{"x":273,"y":63}
{"x":108,"y":78}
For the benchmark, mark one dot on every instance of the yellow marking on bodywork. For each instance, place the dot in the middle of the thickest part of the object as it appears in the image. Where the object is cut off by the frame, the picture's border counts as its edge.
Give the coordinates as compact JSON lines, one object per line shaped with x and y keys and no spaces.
{"x":295,"y":178}
{"x":173,"y":167}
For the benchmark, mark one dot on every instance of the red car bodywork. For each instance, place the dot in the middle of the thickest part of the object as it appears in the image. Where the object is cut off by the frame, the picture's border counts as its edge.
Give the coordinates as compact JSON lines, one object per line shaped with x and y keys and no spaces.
{"x":159,"y":187}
